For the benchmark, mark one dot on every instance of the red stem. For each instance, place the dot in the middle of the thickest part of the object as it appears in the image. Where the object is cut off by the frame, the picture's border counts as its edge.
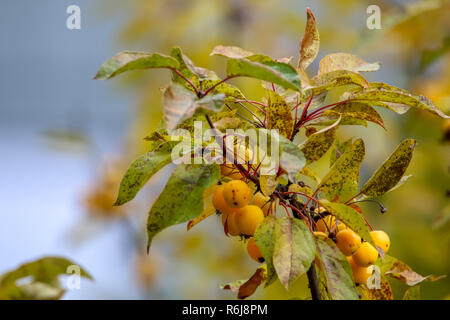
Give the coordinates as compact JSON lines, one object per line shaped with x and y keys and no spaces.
{"x":217,"y":84}
{"x":178,"y":72}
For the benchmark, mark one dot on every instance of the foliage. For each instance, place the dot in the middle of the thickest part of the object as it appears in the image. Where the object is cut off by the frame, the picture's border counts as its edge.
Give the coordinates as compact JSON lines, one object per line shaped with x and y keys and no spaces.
{"x":38,"y":280}
{"x":295,"y":107}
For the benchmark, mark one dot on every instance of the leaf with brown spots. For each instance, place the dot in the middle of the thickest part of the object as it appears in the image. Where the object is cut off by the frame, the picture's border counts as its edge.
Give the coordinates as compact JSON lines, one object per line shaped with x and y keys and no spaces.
{"x":319,"y":143}
{"x":309,"y":46}
{"x":399,"y":270}
{"x":357,"y":110}
{"x":139,"y":172}
{"x":307,"y":172}
{"x":294,"y":249}
{"x":384,"y":293}
{"x":182,"y":198}
{"x":345,"y":61}
{"x":343,"y":178}
{"x":391,"y":172}
{"x":336,"y":270}
{"x":279,"y":115}
{"x":403,"y":98}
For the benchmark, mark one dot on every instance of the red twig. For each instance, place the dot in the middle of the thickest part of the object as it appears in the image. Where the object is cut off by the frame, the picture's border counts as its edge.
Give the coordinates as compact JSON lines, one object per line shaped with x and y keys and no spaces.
{"x":178,"y":72}
{"x":217,"y":84}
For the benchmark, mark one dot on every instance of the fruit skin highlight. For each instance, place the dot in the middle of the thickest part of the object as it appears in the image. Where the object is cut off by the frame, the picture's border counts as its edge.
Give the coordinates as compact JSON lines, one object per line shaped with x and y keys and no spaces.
{"x":366,"y":255}
{"x":233,"y":228}
{"x":381,"y":239}
{"x":248,"y":219}
{"x":218,"y":200}
{"x":348,"y":241}
{"x":237,"y":194}
{"x":253,"y":251}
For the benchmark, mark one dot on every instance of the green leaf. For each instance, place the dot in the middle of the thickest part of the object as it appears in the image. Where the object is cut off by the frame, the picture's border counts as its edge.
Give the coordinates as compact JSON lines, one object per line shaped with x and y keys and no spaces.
{"x":266,"y":69}
{"x":265,"y":240}
{"x":182,"y":198}
{"x":279,"y":115}
{"x":180,"y":104}
{"x":357,"y":110}
{"x":189,"y":70}
{"x":128,"y":60}
{"x":338,"y":149}
{"x":350,"y":217}
{"x":45,"y":270}
{"x":391,"y":172}
{"x":139,"y":172}
{"x":309,"y":46}
{"x":337,"y":271}
{"x":412,"y":293}
{"x":345,"y":61}
{"x":382,"y":95}
{"x":399,"y":270}
{"x":319,"y":143}
{"x":343,"y":178}
{"x":294,"y":249}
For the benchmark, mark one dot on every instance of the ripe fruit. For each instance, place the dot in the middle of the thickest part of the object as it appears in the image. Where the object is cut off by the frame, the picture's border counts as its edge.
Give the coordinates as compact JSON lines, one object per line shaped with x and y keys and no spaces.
{"x":326,"y":224}
{"x":230,"y":171}
{"x":365,"y":255}
{"x":237,"y":194}
{"x":381,"y":239}
{"x":263,"y":202}
{"x":348,"y":241}
{"x":248,"y":219}
{"x":360,"y":274}
{"x":320,"y":234}
{"x":253,"y":251}
{"x":219,"y":202}
{"x":233,"y":229}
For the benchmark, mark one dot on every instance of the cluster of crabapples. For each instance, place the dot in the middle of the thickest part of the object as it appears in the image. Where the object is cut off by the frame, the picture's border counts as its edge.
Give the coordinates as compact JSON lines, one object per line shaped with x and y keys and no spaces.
{"x":361,"y":255}
{"x":239,"y":217}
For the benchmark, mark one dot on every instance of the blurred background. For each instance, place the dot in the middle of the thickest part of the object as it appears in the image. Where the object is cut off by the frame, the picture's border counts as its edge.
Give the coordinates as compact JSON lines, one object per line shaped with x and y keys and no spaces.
{"x":66,"y":140}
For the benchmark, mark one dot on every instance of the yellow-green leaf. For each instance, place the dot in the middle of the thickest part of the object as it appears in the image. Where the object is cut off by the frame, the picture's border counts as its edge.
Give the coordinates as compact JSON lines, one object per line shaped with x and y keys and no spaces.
{"x":336,"y":270}
{"x":319,"y":143}
{"x":279,"y":115}
{"x":343,"y":178}
{"x":294,"y":249}
{"x":182,"y":198}
{"x":391,"y":172}
{"x":128,"y":60}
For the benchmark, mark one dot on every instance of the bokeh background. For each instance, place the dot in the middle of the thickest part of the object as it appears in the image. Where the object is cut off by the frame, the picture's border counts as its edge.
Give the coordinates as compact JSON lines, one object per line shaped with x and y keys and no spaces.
{"x":65,"y":140}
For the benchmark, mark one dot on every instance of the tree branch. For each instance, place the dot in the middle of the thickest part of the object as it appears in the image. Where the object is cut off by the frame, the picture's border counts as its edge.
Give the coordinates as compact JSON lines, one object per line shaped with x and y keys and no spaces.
{"x":313,"y":282}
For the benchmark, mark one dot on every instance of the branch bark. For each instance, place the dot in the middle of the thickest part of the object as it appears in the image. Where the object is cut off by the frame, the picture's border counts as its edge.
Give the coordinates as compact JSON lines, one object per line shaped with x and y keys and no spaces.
{"x":313,"y":282}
